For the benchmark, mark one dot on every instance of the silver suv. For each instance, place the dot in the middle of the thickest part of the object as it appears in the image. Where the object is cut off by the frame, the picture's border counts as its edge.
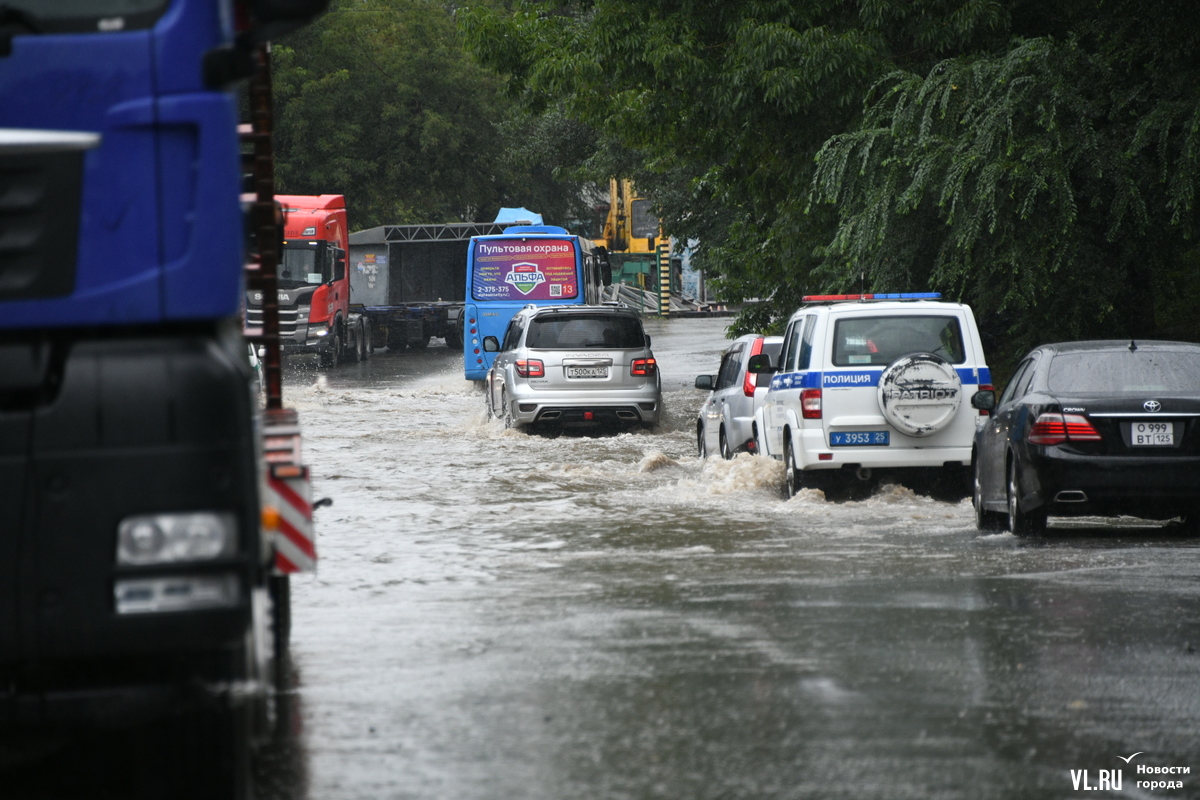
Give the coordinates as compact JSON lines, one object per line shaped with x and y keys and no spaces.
{"x":578,"y":366}
{"x":725,"y":423}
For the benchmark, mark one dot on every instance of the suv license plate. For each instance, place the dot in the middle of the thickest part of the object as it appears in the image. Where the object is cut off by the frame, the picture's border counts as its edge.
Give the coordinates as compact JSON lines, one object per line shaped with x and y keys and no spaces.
{"x":587,"y":372}
{"x":858,"y":439}
{"x":1152,"y":434}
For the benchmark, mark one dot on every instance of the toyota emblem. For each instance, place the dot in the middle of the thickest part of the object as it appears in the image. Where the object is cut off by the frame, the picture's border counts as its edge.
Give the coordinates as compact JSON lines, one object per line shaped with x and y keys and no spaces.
{"x":1152,"y":405}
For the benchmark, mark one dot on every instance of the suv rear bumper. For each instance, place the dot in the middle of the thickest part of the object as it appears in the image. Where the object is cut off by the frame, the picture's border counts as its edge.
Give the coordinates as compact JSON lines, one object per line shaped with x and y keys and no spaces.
{"x":562,"y":408}
{"x":813,"y":445}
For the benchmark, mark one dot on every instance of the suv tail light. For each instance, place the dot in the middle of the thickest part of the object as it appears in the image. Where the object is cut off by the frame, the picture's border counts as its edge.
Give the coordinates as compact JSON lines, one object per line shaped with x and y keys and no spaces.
{"x":643,"y":366}
{"x":750,"y":382}
{"x":1051,"y":429}
{"x":530,"y":368}
{"x":810,"y":403}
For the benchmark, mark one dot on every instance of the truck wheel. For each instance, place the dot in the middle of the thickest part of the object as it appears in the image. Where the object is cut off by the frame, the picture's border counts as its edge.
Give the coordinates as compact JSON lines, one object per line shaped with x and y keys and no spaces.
{"x":359,"y":351}
{"x":331,"y":357}
{"x":367,"y":340}
{"x":454,"y":336}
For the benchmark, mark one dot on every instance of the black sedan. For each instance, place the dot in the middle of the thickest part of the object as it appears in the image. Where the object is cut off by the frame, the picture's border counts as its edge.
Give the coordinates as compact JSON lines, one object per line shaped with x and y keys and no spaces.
{"x":1092,"y":428}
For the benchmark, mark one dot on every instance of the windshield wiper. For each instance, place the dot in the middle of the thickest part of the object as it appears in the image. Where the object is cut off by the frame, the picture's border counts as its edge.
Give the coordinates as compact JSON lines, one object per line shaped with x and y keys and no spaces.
{"x":13,"y":22}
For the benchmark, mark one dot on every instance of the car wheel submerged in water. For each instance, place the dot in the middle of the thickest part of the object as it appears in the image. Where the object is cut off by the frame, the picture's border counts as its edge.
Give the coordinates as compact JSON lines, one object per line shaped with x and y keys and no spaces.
{"x":506,"y":410}
{"x":1020,"y":521}
{"x":791,"y":479}
{"x":984,"y":520}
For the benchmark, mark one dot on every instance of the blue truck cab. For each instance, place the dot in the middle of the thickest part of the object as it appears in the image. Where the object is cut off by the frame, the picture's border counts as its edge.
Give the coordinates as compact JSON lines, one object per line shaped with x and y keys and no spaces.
{"x":132,"y":561}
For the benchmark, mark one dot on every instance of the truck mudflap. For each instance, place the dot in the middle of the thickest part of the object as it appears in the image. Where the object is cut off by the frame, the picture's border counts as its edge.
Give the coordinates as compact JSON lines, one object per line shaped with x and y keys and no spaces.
{"x":287,"y":496}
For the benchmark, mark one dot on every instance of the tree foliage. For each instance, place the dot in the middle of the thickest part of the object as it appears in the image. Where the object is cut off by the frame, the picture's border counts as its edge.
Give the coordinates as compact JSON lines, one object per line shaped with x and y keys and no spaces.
{"x":1037,"y":160}
{"x":378,"y":101}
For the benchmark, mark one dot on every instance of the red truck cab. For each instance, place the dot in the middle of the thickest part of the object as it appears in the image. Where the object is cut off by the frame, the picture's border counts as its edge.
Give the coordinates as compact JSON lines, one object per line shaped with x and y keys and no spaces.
{"x":314,"y":284}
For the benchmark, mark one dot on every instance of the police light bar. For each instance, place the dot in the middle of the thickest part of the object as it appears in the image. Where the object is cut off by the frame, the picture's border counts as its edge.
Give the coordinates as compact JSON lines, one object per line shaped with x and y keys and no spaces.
{"x":828,"y":298}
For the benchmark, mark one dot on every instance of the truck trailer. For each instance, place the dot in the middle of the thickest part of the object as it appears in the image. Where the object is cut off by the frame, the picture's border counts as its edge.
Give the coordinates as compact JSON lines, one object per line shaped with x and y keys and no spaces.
{"x":408,"y":281}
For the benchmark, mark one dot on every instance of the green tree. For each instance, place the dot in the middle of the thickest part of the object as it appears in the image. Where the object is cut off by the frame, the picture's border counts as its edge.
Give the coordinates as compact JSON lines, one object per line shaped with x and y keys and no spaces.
{"x":723,"y":106}
{"x":1036,"y":159}
{"x":378,"y":101}
{"x":1049,"y":182}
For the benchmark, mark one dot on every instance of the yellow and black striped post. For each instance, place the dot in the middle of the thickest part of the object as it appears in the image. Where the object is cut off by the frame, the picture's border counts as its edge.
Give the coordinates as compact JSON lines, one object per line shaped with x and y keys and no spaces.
{"x":664,"y":279}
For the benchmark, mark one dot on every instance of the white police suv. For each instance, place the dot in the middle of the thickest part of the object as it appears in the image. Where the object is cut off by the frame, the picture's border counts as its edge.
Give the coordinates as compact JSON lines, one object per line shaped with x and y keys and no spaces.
{"x":873,"y":382}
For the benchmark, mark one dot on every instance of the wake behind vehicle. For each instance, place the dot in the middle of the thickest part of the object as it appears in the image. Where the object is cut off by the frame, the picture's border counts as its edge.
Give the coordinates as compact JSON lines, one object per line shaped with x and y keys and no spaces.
{"x":725,"y":423}
{"x":562,"y":366}
{"x":873,"y":382}
{"x":1093,"y":428}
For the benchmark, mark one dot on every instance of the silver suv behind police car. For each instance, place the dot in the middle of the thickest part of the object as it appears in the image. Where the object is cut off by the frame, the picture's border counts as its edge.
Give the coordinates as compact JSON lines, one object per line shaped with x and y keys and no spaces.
{"x":871,"y":382}
{"x":574,"y":365}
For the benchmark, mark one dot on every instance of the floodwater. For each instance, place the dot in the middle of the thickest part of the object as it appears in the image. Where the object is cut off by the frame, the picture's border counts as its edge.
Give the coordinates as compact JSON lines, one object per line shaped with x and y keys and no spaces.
{"x":505,"y":615}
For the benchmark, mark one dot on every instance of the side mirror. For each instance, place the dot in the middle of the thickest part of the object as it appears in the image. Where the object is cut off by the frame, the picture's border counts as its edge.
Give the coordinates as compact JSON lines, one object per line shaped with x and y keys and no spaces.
{"x":647,"y":340}
{"x":984,"y":400}
{"x":761,"y":365}
{"x":491,"y":344}
{"x":706,"y":382}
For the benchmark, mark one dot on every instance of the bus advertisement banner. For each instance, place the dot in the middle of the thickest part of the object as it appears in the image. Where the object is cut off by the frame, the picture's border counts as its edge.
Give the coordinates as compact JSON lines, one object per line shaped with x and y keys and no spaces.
{"x":533,"y":269}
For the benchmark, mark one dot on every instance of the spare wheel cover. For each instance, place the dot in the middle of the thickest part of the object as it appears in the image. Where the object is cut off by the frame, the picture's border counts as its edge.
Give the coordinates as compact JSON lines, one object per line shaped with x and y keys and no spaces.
{"x":919,"y":394}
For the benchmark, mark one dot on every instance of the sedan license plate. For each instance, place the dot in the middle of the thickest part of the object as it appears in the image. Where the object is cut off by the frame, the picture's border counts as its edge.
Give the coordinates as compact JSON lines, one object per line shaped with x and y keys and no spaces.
{"x":1152,"y":434}
{"x":858,"y":439}
{"x":587,"y":372}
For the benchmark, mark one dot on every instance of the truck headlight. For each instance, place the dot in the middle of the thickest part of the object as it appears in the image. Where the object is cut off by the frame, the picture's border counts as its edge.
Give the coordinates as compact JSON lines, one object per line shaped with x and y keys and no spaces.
{"x":172,"y":538}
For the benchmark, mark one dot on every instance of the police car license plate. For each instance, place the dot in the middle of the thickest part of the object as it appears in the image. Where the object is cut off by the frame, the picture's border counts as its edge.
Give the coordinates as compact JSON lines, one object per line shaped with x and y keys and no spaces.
{"x":858,"y":439}
{"x":587,"y":372}
{"x":1152,"y":434}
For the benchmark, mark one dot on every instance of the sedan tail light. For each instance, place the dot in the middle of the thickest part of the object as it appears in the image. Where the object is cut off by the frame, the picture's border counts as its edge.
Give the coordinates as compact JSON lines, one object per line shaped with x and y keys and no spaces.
{"x":530,"y":368}
{"x":810,"y":403}
{"x":1051,"y":429}
{"x":643,"y":366}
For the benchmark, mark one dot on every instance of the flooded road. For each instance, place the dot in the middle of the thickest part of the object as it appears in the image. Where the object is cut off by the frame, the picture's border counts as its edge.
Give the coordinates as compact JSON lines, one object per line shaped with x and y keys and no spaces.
{"x":505,"y":615}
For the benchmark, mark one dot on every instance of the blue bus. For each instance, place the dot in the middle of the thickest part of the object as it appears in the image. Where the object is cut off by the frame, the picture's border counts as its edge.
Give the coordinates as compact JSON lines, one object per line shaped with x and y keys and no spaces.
{"x":527,"y":264}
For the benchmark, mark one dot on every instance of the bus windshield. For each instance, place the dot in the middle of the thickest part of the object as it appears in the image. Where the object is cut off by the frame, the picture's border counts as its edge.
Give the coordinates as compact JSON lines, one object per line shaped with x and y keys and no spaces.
{"x":522,"y":269}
